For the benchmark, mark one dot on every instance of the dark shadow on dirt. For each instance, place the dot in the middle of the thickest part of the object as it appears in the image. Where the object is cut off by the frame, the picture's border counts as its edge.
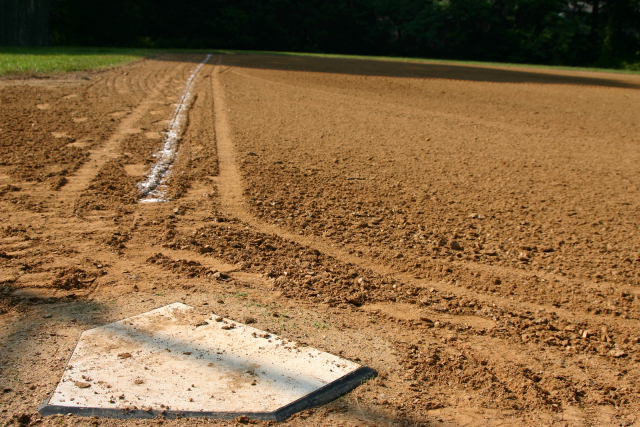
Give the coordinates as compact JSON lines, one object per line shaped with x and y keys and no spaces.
{"x":415,"y":70}
{"x":373,"y":416}
{"x":38,"y":334}
{"x":32,"y":309}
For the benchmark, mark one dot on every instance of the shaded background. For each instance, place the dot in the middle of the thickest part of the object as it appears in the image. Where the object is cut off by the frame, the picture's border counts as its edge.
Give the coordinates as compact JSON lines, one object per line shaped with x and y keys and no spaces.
{"x":602,"y":33}
{"x":25,"y":22}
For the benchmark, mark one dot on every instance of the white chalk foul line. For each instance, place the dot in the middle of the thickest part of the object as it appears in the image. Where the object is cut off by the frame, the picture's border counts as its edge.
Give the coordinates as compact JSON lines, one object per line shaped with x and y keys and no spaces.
{"x":151,"y":188}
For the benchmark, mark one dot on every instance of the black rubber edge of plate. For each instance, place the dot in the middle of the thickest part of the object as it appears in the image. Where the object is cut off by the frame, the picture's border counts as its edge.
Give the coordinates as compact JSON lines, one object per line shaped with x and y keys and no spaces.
{"x":327,"y":393}
{"x":319,"y":397}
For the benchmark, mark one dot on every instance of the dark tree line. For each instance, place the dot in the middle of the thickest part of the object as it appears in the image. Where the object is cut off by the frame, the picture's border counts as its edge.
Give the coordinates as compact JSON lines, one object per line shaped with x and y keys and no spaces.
{"x":563,"y":32}
{"x":24,"y":22}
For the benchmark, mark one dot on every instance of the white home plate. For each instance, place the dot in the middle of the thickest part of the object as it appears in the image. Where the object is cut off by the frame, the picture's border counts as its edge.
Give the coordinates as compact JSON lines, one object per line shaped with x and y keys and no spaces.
{"x":174,"y":361}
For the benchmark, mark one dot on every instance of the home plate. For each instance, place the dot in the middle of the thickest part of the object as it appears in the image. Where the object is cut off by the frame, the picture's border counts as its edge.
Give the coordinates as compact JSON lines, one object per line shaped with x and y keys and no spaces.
{"x":179,"y":363}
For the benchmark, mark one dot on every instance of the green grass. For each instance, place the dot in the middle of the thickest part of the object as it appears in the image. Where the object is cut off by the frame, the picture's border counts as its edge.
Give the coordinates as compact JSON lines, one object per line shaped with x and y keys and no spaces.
{"x":18,"y":61}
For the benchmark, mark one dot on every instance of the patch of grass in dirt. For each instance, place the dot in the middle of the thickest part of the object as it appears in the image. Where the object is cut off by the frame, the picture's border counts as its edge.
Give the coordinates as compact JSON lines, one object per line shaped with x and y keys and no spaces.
{"x":239,"y":294}
{"x":322,"y":324}
{"x":88,"y":307}
{"x":19,"y":60}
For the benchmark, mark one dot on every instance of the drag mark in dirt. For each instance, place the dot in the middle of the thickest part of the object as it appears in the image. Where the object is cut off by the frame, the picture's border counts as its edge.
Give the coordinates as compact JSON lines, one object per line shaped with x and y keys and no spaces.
{"x":230,"y":188}
{"x":150,"y":188}
{"x":230,"y":180}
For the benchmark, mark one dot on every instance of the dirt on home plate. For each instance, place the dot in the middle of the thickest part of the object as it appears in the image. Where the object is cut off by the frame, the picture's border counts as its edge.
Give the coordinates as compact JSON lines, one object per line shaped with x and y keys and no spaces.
{"x":472,"y":233}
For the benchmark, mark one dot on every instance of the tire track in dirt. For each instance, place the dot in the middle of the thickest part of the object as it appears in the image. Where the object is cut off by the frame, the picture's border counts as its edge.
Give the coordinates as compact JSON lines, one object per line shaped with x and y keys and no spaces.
{"x":231,"y":189}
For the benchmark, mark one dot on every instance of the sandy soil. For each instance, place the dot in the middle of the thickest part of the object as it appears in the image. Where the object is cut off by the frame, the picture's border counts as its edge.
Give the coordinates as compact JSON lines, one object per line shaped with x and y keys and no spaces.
{"x":469,"y":232}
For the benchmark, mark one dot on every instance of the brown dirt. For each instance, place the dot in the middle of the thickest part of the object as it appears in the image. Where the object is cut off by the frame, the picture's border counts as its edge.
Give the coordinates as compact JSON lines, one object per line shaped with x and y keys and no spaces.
{"x":469,"y":232}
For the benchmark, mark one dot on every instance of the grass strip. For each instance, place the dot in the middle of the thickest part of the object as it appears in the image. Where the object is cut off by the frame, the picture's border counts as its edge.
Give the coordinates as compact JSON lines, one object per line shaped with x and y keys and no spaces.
{"x":20,"y":61}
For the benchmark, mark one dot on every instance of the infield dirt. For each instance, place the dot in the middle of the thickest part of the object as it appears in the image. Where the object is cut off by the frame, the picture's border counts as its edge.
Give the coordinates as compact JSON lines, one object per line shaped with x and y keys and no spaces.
{"x":469,"y":232}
